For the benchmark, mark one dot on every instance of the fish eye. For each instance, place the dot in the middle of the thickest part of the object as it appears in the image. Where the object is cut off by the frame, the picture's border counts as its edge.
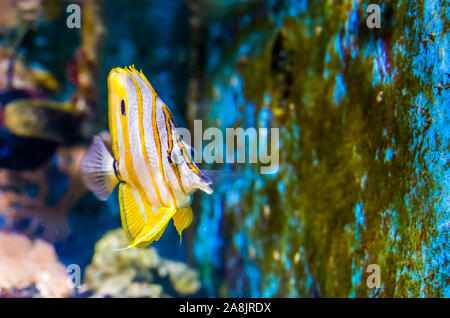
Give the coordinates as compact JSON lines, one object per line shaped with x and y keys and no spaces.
{"x":122,"y":107}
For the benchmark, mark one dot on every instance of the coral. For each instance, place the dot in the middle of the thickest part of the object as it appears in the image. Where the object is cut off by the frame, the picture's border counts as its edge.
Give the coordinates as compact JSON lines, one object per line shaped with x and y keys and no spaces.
{"x":136,"y":272}
{"x":28,"y":265}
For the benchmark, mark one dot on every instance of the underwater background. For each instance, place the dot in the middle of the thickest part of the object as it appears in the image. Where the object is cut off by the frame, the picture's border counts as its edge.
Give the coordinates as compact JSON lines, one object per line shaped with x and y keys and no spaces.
{"x":364,"y":153}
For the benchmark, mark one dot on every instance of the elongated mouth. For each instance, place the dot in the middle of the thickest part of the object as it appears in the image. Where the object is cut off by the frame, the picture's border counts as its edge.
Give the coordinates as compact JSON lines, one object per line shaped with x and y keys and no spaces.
{"x":204,"y":179}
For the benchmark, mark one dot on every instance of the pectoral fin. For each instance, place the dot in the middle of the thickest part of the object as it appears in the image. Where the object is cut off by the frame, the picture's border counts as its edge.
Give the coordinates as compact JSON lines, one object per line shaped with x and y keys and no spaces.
{"x":98,"y":170}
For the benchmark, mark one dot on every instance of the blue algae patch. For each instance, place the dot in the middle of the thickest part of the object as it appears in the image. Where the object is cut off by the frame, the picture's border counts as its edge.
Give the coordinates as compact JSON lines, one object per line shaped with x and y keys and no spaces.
{"x":254,"y":278}
{"x":224,"y":106}
{"x":327,"y":58}
{"x":296,"y":7}
{"x":363,"y":180}
{"x":250,"y":221}
{"x":393,"y":233}
{"x":271,"y":288}
{"x":309,"y":278}
{"x":388,"y":154}
{"x":208,"y":241}
{"x":339,"y":89}
{"x":264,"y":118}
{"x":208,"y":232}
{"x":233,"y":198}
{"x":431,"y":58}
{"x":239,"y":241}
{"x":287,"y":262}
{"x":352,"y":23}
{"x":281,"y":187}
{"x":338,"y":48}
{"x":376,"y":74}
{"x":250,"y":45}
{"x":357,"y":276}
{"x":292,"y":8}
{"x":360,"y":219}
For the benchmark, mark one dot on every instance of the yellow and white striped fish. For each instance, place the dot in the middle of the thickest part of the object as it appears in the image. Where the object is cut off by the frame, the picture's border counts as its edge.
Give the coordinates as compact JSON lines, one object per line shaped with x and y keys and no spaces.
{"x":150,"y":161}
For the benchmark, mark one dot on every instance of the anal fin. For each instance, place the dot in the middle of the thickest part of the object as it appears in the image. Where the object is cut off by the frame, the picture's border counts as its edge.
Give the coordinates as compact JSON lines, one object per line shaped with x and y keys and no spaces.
{"x":132,"y":212}
{"x":182,"y":219}
{"x":154,"y":229}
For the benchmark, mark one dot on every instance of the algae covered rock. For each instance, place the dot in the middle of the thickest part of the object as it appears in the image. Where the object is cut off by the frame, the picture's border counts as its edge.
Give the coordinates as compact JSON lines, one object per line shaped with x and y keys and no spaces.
{"x":136,"y":272}
{"x":363,"y":172}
